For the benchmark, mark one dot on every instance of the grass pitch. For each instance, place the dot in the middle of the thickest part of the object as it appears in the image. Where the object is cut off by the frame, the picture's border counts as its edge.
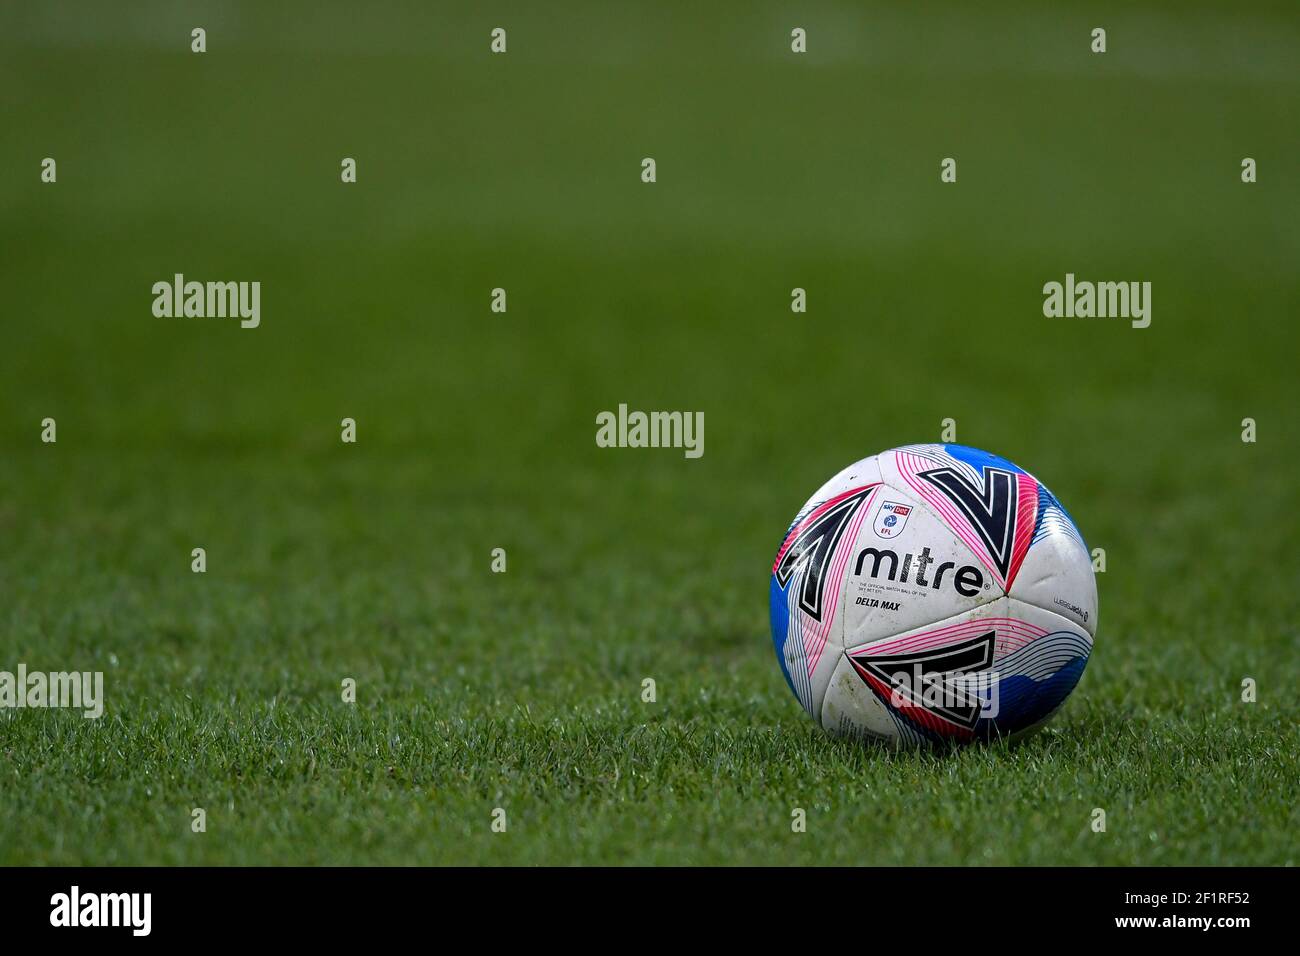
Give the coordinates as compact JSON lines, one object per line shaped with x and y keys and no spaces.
{"x":476,"y":431}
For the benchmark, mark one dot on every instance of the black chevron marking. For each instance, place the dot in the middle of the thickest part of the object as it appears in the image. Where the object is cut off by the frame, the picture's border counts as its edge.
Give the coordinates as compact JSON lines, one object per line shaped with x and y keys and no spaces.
{"x":814,"y":548}
{"x":907,"y":674}
{"x":990,"y":510}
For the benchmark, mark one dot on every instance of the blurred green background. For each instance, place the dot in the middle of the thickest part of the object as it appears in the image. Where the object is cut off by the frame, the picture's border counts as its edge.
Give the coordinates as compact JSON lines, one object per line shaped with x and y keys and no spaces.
{"x":476,"y":430}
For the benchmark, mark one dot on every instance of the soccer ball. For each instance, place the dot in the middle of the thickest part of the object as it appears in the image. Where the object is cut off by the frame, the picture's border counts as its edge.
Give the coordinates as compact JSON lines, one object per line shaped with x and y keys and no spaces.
{"x":933,"y":593}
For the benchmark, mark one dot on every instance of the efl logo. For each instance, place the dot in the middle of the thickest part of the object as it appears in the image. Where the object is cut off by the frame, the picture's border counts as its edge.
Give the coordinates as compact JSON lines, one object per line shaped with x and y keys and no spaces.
{"x":891,"y":517}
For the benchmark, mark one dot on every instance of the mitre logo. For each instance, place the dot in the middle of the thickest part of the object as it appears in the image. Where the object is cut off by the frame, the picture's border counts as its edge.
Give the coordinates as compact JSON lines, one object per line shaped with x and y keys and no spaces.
{"x":966,"y":580}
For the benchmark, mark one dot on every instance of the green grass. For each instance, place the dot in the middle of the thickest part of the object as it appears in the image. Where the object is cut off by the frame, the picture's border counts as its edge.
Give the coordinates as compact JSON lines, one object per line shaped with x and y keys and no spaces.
{"x":476,"y":431}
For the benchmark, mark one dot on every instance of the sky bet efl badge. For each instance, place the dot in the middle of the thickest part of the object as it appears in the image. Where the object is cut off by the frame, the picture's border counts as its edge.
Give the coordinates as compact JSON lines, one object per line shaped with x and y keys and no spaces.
{"x":890,"y":518}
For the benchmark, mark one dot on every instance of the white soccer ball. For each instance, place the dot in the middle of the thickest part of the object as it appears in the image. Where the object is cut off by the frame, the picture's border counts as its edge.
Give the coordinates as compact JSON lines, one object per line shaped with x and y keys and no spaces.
{"x":933,"y":593}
